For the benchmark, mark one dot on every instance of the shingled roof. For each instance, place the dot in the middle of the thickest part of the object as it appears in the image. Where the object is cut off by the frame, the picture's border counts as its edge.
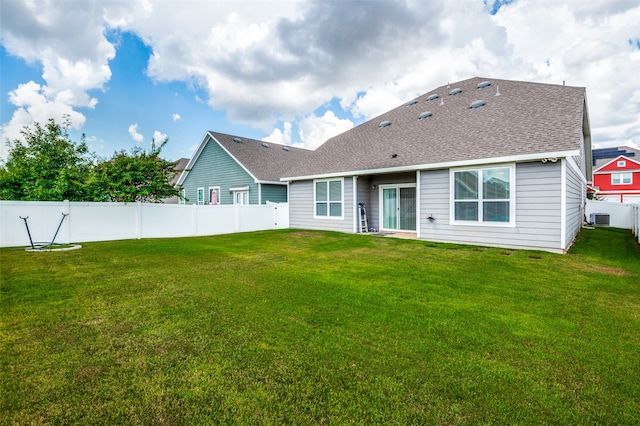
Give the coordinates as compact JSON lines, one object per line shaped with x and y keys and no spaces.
{"x":266,"y":162}
{"x":517,"y":119}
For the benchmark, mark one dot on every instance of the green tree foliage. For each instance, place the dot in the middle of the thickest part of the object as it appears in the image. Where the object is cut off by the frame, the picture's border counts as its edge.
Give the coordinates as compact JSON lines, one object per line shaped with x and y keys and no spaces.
{"x":135,"y":176}
{"x":46,"y":165}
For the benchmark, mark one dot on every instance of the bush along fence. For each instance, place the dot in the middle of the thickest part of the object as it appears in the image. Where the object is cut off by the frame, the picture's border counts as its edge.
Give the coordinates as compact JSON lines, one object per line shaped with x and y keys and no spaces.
{"x":85,"y":222}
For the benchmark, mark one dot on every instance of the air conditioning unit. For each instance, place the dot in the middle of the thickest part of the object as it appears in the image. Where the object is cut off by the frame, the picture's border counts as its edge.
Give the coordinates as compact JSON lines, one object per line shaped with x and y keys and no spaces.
{"x":600,"y":219}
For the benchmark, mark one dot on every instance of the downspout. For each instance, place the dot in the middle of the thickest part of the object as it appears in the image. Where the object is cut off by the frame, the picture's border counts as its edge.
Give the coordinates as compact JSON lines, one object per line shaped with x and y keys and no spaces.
{"x":418,"y":206}
{"x":355,"y":205}
{"x":563,"y":203}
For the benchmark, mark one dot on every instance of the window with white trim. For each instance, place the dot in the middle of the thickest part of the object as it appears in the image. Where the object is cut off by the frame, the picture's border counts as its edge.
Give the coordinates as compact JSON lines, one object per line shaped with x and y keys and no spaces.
{"x":620,"y":178}
{"x":200,"y":196}
{"x":240,"y":197}
{"x":214,"y":195}
{"x":183,"y":198}
{"x":483,"y":196}
{"x":622,"y":163}
{"x":328,"y":198}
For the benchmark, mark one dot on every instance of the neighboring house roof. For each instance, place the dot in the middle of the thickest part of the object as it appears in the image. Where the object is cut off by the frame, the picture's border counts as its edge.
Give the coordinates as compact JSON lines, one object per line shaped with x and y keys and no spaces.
{"x":632,"y":164}
{"x":603,"y":156}
{"x":264,"y":161}
{"x":180,"y":167}
{"x":522,"y":119}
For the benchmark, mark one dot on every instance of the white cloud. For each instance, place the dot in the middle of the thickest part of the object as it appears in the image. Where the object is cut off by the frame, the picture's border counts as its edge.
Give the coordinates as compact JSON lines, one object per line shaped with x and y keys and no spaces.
{"x":314,"y":130}
{"x":69,"y":43}
{"x":158,"y":137}
{"x":276,"y":61}
{"x":33,"y":104}
{"x":133,"y":132}
{"x":176,"y":117}
{"x":282,"y":137}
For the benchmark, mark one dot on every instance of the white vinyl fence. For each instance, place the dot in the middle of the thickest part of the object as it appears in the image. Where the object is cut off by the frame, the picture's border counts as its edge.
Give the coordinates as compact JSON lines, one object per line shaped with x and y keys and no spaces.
{"x":118,"y":221}
{"x":625,"y":216}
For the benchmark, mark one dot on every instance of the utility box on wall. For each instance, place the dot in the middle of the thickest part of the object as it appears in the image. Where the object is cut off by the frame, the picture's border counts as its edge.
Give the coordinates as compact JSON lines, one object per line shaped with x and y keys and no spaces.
{"x":599,"y":219}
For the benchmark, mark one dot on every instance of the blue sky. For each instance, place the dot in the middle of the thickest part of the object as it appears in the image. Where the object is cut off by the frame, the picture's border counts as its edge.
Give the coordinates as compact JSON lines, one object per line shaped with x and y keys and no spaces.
{"x":296,"y":72}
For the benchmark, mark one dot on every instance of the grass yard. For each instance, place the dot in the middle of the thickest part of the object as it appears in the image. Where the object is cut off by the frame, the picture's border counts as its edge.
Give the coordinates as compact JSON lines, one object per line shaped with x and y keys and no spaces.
{"x":293,"y":327}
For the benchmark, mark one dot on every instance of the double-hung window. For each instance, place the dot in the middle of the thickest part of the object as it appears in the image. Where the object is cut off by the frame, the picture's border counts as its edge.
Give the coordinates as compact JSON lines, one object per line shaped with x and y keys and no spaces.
{"x":621,"y":178}
{"x":200,"y":196}
{"x":483,"y":196}
{"x":328,"y":198}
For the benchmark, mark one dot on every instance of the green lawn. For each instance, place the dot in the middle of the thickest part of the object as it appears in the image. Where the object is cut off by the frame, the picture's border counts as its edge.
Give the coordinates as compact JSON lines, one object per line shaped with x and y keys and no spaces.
{"x":297,"y":327}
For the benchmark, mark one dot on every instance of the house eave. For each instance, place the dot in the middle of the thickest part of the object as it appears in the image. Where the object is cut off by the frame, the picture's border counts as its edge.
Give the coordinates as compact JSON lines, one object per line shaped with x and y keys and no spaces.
{"x":270,"y":182}
{"x":443,"y":165}
{"x":199,"y":150}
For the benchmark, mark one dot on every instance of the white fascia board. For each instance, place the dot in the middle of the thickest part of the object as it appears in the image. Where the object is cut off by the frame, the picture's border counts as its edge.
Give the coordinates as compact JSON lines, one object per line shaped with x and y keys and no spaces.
{"x":270,"y":182}
{"x":619,"y":158}
{"x":192,"y":160}
{"x":255,"y":179}
{"x":239,"y":188}
{"x":572,"y":163}
{"x":445,"y":165}
{"x":619,"y":191}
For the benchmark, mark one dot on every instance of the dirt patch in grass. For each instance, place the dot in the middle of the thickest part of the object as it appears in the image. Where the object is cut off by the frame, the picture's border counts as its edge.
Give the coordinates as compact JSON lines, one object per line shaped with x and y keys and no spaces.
{"x":608,"y":270}
{"x":305,"y":234}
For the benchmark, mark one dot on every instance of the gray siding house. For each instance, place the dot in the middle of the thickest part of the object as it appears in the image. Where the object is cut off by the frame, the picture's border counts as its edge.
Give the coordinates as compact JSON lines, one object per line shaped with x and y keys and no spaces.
{"x":481,"y":161}
{"x":227,"y":169}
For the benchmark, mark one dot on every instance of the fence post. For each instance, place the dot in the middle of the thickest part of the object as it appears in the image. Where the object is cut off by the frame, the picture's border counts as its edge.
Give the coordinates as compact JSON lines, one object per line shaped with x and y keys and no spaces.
{"x":275,"y":216}
{"x":194,"y":218}
{"x":138,"y":220}
{"x":237,"y":206}
{"x":66,"y":207}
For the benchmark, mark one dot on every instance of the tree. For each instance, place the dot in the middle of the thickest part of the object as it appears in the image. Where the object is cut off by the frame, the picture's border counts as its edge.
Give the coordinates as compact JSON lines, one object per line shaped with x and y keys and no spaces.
{"x":136,"y":176}
{"x":46,"y":165}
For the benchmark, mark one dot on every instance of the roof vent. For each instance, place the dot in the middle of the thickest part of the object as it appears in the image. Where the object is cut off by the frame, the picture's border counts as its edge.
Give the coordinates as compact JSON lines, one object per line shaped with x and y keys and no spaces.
{"x":432,"y":97}
{"x":455,"y":91}
{"x":484,"y":84}
{"x":266,"y":145}
{"x":477,"y":104}
{"x":385,"y":123}
{"x":286,"y":148}
{"x":413,"y":102}
{"x":394,"y":155}
{"x":237,"y":140}
{"x":425,"y":114}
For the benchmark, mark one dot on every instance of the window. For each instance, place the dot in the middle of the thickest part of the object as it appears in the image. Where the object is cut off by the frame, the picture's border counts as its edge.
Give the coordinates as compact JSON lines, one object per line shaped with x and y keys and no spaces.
{"x":241,"y":197}
{"x":183,"y":198}
{"x":483,"y":196}
{"x":240,"y":194}
{"x":214,"y":195}
{"x":200,"y":196}
{"x":622,"y":163}
{"x":328,"y":198}
{"x":621,"y":178}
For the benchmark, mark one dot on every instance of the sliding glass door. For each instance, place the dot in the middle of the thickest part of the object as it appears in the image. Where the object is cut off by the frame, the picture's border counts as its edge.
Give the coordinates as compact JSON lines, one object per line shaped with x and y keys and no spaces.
{"x":398,"y":208}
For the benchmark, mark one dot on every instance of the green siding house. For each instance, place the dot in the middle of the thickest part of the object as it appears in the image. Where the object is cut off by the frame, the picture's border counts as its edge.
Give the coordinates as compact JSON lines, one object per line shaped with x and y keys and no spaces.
{"x":227,"y":169}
